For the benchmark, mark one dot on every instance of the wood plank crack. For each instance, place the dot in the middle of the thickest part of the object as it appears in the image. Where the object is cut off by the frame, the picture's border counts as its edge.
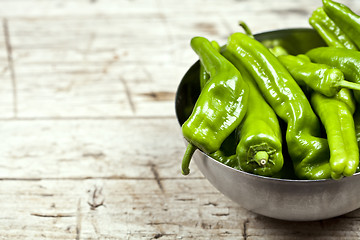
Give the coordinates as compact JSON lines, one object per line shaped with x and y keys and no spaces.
{"x":156,"y":176}
{"x":52,"y":215}
{"x":98,"y":178}
{"x":128,"y":95}
{"x":83,"y":118}
{"x":78,"y":220}
{"x":97,"y":198}
{"x":9,"y":51}
{"x":245,"y":226}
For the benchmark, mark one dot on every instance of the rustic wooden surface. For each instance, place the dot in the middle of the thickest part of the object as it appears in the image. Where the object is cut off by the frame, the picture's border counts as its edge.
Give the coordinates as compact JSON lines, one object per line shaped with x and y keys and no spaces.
{"x":91,"y":147}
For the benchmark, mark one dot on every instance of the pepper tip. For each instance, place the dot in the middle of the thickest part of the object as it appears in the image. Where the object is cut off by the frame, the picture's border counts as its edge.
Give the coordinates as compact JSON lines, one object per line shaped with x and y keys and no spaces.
{"x":185,"y":171}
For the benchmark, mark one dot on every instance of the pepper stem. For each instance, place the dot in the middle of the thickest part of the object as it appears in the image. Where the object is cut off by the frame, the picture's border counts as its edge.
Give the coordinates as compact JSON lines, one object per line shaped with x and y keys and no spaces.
{"x":187,"y":158}
{"x":261,"y":157}
{"x":246,"y":28}
{"x":350,"y":85}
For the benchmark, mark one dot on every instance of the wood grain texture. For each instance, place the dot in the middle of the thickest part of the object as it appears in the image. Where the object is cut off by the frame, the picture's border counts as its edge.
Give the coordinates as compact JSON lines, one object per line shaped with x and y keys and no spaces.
{"x":91,"y":146}
{"x":138,"y":209}
{"x":7,"y":96}
{"x":100,"y":148}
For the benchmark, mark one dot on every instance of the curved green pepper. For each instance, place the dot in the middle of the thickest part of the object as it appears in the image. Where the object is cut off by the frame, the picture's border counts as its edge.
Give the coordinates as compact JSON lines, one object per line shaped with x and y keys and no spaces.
{"x":329,"y":31}
{"x":220,"y":107}
{"x":346,"y":95}
{"x":319,"y":77}
{"x":259,"y":149}
{"x":347,"y":61}
{"x":340,"y":130}
{"x":204,"y":76}
{"x":309,"y":153}
{"x":343,"y":17}
{"x":227,"y":152}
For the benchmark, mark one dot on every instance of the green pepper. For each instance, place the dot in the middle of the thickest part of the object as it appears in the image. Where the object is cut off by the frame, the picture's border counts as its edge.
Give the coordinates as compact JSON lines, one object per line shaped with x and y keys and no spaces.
{"x":329,"y":31}
{"x":204,"y":76}
{"x":278,"y":51}
{"x":227,"y":152}
{"x":309,"y":153}
{"x":338,"y":121}
{"x":346,"y":95}
{"x":220,"y":107}
{"x":259,"y":149}
{"x":319,"y":77}
{"x":347,"y":20}
{"x":347,"y":61}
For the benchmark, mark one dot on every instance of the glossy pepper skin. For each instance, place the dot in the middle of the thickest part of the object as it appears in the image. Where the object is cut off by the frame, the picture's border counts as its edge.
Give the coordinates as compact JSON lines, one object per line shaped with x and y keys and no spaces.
{"x":346,"y":96}
{"x":329,"y":31}
{"x":347,"y":20}
{"x":221,"y":104}
{"x":204,"y":76}
{"x":347,"y":61}
{"x":259,"y":149}
{"x":227,"y":152}
{"x":319,"y":77}
{"x":340,"y":130}
{"x":309,"y":153}
{"x":278,"y":51}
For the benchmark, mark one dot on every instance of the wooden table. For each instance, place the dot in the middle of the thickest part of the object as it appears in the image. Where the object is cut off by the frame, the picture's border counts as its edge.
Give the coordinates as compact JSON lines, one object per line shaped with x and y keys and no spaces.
{"x":91,"y":148}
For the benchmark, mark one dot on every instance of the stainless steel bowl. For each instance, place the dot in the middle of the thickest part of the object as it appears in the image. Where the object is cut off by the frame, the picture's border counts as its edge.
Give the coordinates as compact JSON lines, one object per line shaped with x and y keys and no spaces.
{"x":295,"y":200}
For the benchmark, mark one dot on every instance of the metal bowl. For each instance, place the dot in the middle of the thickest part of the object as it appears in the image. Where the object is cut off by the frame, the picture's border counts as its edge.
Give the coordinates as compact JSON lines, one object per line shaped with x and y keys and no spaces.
{"x":294,"y":200}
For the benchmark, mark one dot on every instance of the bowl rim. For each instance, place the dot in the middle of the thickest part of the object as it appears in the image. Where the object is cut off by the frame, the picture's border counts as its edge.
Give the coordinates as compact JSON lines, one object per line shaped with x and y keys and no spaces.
{"x":265,"y":178}
{"x":316,"y":181}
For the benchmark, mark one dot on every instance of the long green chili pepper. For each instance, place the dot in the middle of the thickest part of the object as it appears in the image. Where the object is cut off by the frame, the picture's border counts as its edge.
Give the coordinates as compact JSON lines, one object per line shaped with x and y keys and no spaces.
{"x":259,"y":149}
{"x":346,"y":95}
{"x":329,"y":31}
{"x":227,"y":152}
{"x":309,"y":153}
{"x":347,"y":61}
{"x":319,"y":77}
{"x":347,"y":20}
{"x":204,"y":76}
{"x":340,"y":130}
{"x":220,"y":107}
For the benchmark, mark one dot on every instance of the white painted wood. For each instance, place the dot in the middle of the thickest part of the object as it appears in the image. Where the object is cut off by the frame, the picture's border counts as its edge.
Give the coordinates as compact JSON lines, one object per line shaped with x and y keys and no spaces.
{"x":137,"y":209}
{"x":100,"y":148}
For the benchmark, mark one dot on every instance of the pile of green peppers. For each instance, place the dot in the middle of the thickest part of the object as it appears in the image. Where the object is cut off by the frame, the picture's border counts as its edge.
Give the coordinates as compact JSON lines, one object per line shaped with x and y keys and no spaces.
{"x":266,"y":112}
